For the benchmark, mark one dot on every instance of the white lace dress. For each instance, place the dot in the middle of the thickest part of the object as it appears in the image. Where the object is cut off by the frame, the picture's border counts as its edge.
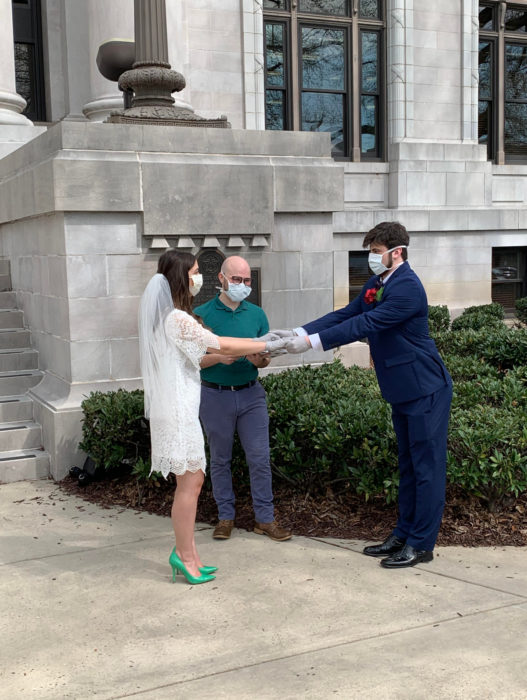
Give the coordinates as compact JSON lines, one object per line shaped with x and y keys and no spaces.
{"x":177,"y":438}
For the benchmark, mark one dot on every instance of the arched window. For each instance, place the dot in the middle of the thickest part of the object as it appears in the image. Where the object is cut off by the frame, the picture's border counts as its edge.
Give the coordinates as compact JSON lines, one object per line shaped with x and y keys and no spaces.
{"x":324,"y":71}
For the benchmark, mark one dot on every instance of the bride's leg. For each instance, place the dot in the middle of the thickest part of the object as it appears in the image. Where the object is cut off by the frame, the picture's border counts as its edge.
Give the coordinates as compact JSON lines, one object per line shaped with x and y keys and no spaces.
{"x":184,"y":517}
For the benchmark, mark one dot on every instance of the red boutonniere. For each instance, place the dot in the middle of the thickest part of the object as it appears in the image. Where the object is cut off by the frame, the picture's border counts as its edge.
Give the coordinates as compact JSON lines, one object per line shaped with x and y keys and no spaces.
{"x":373,"y":294}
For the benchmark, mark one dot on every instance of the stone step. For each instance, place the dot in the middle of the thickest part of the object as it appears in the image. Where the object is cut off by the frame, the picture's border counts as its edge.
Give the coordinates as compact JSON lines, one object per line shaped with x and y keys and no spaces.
{"x":8,"y":300}
{"x":5,"y":283}
{"x":17,"y":359}
{"x":20,"y":436}
{"x":15,"y":409}
{"x":18,"y":382}
{"x":20,"y":465}
{"x":11,"y":318}
{"x":14,"y":338}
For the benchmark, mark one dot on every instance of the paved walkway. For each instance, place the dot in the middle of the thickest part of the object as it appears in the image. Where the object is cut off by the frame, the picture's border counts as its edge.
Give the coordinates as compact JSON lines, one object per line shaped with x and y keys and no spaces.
{"x":88,"y":610}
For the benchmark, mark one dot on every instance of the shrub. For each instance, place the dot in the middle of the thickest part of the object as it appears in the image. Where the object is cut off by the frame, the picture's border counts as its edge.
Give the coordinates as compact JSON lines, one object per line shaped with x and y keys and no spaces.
{"x":521,"y":310}
{"x":351,"y":444}
{"x":500,"y":346}
{"x":487,"y":454}
{"x":114,"y":430}
{"x":476,"y":322}
{"x":438,"y":319}
{"x":495,"y":310}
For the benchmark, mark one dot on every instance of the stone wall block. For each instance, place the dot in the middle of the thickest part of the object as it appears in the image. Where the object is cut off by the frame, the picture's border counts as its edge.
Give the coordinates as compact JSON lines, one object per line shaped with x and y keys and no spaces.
{"x":281,"y":271}
{"x":192,"y":199}
{"x":317,"y":188}
{"x":90,"y":361}
{"x":86,"y":276}
{"x":128,"y":275}
{"x":302,"y":232}
{"x":108,"y":183}
{"x":102,"y":233}
{"x":103,"y":318}
{"x":125,"y":358}
{"x":465,"y":189}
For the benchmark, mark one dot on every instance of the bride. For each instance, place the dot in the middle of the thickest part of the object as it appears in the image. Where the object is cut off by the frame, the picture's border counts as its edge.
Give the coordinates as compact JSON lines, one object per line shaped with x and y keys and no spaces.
{"x":172,"y":342}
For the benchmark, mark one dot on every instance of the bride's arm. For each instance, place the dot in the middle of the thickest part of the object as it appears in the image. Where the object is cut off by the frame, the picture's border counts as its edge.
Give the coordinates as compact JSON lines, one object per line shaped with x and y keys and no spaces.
{"x":238,"y":346}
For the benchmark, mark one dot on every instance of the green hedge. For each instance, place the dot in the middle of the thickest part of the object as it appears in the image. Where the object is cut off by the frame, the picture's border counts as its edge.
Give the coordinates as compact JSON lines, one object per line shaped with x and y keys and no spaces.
{"x":330,"y":427}
{"x":521,"y":310}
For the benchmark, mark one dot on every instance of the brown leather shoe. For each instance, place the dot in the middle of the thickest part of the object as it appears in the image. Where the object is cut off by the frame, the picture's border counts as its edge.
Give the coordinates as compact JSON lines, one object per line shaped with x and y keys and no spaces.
{"x":273,"y":530}
{"x":223,"y":530}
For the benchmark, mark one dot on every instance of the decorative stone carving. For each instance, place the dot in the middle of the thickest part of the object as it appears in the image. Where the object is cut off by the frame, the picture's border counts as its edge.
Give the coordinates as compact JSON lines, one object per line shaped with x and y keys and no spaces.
{"x":151,"y":78}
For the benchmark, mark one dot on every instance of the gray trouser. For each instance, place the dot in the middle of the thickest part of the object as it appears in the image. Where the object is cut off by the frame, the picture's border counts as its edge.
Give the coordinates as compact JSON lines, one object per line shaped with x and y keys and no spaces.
{"x":222,"y":413}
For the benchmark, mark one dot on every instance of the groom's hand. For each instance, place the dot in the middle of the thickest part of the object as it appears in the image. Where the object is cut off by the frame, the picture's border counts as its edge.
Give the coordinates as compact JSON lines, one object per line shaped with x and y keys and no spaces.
{"x":268,"y":336}
{"x":298,"y":344}
{"x":286,"y":333}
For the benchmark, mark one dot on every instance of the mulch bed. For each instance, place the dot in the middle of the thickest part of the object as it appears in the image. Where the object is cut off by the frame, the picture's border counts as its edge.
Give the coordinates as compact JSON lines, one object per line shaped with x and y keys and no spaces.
{"x":466,"y":521}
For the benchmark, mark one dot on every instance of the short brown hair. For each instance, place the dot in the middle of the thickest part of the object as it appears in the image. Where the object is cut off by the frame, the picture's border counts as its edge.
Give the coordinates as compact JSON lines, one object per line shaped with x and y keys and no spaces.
{"x":388,"y":233}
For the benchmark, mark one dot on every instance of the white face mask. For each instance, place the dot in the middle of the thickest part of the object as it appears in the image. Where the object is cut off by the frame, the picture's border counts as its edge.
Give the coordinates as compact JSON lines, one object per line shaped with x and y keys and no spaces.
{"x":198,"y":284}
{"x":236,"y":292}
{"x":375,"y":260}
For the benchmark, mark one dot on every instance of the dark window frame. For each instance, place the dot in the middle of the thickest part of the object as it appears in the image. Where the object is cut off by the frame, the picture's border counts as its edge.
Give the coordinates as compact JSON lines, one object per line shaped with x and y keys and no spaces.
{"x":500,"y":37}
{"x":355,"y":25}
{"x":27,"y":29}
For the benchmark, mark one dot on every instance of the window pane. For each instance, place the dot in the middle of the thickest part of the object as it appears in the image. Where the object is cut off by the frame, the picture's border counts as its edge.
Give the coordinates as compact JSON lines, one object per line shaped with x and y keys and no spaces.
{"x":274,"y":53}
{"x":24,"y":71}
{"x":370,"y":8}
{"x":324,"y":112}
{"x":516,"y":128}
{"x":486,"y":17}
{"x":485,"y":69}
{"x":275,"y":5}
{"x":484,"y":111}
{"x":359,"y":272}
{"x":326,"y":7}
{"x":515,"y":72}
{"x":368,"y":121}
{"x":274,"y":109}
{"x":322,"y":58}
{"x":370,"y":41}
{"x":515,"y":20}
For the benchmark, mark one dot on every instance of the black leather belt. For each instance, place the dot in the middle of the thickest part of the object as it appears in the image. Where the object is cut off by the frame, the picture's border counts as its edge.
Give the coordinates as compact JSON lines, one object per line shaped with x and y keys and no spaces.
{"x":212,"y":385}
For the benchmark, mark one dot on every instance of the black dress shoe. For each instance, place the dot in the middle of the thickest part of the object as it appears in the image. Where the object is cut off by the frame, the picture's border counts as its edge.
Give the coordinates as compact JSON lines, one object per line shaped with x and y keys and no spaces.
{"x":407,"y":556}
{"x":390,"y":545}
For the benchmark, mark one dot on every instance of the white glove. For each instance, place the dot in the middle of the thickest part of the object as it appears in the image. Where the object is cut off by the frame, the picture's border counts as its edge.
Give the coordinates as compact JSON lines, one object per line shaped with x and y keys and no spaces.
{"x":268,"y":336}
{"x":287,"y":333}
{"x":298,"y":344}
{"x":276,"y":347}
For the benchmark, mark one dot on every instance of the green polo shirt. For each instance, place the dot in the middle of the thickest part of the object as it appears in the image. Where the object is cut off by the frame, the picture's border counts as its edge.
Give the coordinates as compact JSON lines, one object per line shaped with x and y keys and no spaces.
{"x":247,"y":321}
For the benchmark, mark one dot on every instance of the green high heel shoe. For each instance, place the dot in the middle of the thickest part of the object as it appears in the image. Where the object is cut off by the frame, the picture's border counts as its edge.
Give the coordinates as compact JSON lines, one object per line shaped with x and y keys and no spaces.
{"x":178,"y":567}
{"x":208,"y":569}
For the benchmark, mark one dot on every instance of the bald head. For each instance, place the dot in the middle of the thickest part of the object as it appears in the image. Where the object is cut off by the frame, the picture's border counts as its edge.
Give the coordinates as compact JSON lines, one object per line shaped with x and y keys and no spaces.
{"x":237,"y":266}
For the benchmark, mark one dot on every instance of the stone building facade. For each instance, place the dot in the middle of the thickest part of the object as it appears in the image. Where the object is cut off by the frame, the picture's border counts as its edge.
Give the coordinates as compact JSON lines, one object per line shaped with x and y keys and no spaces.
{"x":344,"y":113}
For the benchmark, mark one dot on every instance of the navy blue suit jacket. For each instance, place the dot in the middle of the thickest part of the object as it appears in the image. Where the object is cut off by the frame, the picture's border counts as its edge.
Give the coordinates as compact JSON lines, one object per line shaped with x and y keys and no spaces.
{"x":407,"y":362}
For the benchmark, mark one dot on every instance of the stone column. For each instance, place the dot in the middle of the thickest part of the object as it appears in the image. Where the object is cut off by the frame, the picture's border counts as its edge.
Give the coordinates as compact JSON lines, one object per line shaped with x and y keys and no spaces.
{"x":151,"y":79}
{"x":11,"y":104}
{"x":107,"y":20}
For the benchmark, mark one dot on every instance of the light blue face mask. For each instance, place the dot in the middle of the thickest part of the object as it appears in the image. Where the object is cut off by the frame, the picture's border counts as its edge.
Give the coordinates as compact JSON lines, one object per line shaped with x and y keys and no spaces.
{"x":375,"y":261}
{"x":236,"y":292}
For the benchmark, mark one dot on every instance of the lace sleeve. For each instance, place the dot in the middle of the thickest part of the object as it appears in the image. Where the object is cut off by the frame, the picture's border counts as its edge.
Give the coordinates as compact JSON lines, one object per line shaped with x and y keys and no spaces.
{"x":190,"y":336}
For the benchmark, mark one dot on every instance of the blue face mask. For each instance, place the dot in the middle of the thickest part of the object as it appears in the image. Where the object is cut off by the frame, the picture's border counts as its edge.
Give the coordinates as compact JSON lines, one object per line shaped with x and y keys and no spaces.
{"x":237,"y":292}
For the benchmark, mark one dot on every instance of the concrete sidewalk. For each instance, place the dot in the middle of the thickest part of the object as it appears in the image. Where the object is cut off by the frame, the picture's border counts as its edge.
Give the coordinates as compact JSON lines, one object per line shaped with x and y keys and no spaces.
{"x":88,"y":610}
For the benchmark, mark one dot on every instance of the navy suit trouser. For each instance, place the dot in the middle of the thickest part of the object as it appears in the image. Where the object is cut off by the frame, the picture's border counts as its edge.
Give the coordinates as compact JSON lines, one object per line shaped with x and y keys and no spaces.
{"x":421,"y":427}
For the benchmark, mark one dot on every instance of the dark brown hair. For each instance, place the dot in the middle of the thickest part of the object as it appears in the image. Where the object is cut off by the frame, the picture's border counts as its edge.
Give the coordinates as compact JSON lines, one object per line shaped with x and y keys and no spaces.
{"x":175,"y":265}
{"x":388,"y":233}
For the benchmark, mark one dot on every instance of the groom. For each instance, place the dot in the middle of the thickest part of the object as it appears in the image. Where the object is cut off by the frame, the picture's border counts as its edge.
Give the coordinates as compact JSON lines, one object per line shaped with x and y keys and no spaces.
{"x":392,"y":312}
